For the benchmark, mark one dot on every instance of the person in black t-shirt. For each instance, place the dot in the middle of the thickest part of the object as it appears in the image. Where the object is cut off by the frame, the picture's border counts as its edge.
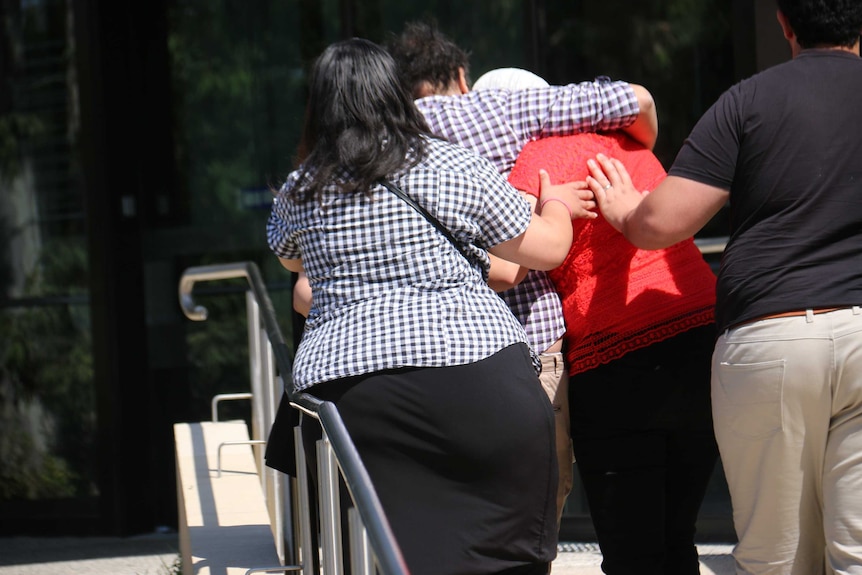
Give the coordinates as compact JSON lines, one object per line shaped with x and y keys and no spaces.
{"x":784,"y":148}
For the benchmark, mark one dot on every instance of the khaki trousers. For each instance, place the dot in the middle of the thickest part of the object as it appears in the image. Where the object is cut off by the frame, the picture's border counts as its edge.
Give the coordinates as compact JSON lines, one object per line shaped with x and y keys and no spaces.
{"x":555,"y":382}
{"x":787,"y":408}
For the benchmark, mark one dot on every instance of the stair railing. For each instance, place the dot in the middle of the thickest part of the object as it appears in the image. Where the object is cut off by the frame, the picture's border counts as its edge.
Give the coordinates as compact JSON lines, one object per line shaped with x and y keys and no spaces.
{"x":372,"y":543}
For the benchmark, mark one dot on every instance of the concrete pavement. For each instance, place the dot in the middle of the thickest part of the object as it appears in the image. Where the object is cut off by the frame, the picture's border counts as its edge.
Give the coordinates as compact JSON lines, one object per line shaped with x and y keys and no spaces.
{"x":154,"y":554}
{"x":585,"y":559}
{"x":157,"y":554}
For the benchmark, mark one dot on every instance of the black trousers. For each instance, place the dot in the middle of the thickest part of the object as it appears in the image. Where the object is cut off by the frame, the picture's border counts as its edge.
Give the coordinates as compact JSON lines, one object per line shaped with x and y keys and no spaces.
{"x":462,"y":459}
{"x":645,"y":451}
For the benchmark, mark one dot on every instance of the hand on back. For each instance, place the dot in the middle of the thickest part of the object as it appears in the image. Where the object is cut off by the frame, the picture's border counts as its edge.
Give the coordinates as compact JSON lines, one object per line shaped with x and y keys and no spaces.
{"x":576,"y":196}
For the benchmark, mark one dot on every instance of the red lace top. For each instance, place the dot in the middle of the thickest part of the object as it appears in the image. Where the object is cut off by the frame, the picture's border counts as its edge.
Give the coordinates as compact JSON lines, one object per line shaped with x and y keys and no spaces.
{"x":616,"y":298}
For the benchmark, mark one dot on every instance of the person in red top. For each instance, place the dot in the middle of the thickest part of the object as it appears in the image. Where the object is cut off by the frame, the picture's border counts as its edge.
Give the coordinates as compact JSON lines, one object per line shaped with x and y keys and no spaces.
{"x":638,"y":343}
{"x":617,"y":298}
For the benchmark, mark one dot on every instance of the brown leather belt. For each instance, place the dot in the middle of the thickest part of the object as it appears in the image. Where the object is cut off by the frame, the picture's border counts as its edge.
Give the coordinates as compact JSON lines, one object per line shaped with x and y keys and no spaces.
{"x":786,"y":314}
{"x":797,"y":313}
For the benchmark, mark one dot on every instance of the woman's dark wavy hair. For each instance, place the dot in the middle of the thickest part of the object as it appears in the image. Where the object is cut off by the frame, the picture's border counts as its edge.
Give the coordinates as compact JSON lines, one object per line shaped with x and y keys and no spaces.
{"x":424,"y":54}
{"x":824,"y":22}
{"x":360,"y":124}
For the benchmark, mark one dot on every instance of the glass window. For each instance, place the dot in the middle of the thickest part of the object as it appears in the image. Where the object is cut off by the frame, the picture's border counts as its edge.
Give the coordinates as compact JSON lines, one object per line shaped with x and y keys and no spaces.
{"x":239,"y":76}
{"x":46,"y":366}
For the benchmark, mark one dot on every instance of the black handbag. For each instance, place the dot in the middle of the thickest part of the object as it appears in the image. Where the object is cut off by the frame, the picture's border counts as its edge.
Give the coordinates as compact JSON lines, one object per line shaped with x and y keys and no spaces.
{"x":280,"y":453}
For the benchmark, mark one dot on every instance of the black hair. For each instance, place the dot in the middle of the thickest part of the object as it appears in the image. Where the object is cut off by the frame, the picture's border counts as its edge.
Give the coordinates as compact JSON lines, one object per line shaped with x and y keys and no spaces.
{"x":424,"y":54}
{"x":824,"y":23}
{"x":360,"y":124}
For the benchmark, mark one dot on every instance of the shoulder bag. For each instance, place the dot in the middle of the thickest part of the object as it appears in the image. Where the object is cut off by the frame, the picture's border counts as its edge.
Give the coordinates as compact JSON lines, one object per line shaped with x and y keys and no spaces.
{"x":434,"y":221}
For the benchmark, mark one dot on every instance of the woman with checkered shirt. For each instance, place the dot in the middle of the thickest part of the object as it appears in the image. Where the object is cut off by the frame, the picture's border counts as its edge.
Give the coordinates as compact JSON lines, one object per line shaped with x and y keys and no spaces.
{"x":429,"y":369}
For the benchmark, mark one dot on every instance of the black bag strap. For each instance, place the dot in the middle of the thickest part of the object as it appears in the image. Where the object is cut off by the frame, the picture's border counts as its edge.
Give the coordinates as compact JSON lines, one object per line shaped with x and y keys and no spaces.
{"x":434,"y":222}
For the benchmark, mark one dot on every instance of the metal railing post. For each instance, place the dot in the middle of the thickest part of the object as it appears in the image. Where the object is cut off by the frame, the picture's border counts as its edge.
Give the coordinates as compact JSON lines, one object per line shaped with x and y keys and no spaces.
{"x":361,"y":557}
{"x":303,"y":529}
{"x":225,"y":397}
{"x":330,"y":508}
{"x":255,"y":346}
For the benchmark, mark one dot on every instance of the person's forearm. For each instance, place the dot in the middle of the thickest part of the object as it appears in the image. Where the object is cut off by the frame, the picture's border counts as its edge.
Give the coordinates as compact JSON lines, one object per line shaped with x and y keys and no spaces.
{"x":504,"y":275}
{"x":645,"y":127}
{"x":545,"y":243}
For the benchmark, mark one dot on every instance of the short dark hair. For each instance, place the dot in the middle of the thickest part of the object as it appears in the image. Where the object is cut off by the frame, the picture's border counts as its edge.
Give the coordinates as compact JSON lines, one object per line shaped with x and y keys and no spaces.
{"x":360,"y":124}
{"x":824,"y":22}
{"x":424,"y":54}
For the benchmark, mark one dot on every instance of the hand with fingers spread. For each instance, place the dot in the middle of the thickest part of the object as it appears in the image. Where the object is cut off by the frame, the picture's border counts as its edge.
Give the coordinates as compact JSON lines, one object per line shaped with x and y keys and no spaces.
{"x":613,"y":189}
{"x":577,"y":197}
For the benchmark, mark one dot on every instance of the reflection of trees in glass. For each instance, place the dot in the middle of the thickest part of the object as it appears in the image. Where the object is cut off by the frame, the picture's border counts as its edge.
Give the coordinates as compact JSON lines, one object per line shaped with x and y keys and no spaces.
{"x":218,"y":354}
{"x":239,"y":83}
{"x":47,"y":405}
{"x":14,"y":129}
{"x":492,"y":32}
{"x":46,"y":392}
{"x":218,"y":347}
{"x":238,"y":71}
{"x":681,"y":50}
{"x":17,"y":127}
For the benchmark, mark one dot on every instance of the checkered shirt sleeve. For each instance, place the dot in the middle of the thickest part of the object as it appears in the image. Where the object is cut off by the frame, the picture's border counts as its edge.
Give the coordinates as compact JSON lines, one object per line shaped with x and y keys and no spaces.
{"x":497,"y":124}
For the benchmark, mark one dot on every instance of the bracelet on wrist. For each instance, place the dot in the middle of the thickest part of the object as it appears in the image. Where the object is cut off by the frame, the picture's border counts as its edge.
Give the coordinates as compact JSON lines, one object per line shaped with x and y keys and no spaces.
{"x":542,"y":205}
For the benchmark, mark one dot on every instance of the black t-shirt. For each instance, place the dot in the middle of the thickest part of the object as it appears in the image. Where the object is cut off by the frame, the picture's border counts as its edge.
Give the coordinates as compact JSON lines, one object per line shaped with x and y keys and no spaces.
{"x":787,"y":143}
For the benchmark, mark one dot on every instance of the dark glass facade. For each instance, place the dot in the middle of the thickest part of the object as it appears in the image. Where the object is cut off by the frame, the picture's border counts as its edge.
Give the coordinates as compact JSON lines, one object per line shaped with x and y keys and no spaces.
{"x":140,"y":138}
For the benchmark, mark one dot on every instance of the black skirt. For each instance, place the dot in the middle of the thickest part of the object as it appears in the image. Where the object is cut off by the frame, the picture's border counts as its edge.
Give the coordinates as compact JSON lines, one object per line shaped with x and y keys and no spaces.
{"x":462,"y":459}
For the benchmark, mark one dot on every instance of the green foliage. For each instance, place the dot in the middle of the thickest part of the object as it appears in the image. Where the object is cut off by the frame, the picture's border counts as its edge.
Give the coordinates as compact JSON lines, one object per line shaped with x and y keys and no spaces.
{"x":15,"y":128}
{"x":679,"y":50}
{"x":218,"y":354}
{"x":239,"y":82}
{"x":27,"y":470}
{"x":46,"y":386}
{"x":238,"y":75}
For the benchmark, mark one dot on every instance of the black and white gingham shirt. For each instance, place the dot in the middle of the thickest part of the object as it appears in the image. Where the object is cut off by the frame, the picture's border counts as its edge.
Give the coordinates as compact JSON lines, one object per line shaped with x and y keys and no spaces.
{"x":497,"y":124}
{"x":390,"y":291}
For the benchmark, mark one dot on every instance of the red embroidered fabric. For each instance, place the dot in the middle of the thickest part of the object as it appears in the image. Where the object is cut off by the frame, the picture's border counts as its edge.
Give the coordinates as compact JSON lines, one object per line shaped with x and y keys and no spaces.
{"x":616,"y":298}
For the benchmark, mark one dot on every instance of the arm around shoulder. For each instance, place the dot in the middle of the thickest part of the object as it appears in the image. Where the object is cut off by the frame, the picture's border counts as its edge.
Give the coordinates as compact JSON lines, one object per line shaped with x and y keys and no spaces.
{"x":674,"y":211}
{"x":504,"y":275}
{"x":645,"y":127}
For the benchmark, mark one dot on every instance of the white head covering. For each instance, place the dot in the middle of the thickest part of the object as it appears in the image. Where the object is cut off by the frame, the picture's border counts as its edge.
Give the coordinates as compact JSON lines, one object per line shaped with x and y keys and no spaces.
{"x":509,"y":79}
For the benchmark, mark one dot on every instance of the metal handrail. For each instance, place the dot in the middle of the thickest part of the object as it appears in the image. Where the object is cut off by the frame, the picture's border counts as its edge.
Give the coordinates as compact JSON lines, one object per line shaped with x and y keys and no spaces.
{"x":711,"y":245}
{"x":379,"y":533}
{"x":225,"y":397}
{"x":251,"y":273}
